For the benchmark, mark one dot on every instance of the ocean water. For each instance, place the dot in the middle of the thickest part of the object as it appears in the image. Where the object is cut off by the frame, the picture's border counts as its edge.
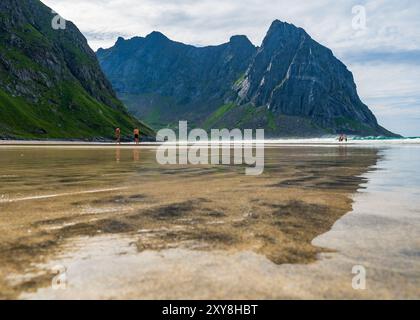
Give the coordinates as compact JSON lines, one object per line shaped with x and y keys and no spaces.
{"x":122,"y":226}
{"x":294,"y":141}
{"x":351,"y":141}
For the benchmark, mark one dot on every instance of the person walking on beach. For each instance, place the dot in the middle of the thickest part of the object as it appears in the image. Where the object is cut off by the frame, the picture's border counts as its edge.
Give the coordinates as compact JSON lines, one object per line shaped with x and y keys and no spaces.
{"x":136,"y":136}
{"x":343,"y":138}
{"x":118,"y":135}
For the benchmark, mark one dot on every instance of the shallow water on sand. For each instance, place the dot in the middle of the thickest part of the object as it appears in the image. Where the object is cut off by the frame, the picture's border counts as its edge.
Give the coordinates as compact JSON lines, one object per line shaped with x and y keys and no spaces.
{"x":122,"y":226}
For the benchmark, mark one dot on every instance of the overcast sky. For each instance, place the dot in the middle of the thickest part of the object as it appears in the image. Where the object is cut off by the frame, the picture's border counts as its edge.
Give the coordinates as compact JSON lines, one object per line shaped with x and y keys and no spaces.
{"x":384,"y":57}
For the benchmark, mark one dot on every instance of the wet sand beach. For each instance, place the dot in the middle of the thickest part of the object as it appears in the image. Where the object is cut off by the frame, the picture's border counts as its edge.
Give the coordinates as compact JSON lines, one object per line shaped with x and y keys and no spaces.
{"x":124,"y":227}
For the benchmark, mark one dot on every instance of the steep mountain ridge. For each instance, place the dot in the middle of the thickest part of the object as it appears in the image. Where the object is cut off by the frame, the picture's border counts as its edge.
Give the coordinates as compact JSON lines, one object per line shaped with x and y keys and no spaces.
{"x":161,"y":79}
{"x":51,"y":84}
{"x":293,"y":75}
{"x":291,"y":85}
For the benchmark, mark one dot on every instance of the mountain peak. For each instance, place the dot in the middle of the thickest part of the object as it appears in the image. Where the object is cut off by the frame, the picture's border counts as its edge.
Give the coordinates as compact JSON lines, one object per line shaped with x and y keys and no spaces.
{"x":279,"y":22}
{"x":120,"y":40}
{"x":282,"y":24}
{"x":156,"y":35}
{"x":241,"y":40}
{"x":283,"y":32}
{"x":286,"y":28}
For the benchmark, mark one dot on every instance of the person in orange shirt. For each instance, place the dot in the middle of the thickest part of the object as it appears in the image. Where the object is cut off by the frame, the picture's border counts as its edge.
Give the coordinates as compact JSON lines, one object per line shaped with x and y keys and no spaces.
{"x":136,"y":136}
{"x":118,"y":135}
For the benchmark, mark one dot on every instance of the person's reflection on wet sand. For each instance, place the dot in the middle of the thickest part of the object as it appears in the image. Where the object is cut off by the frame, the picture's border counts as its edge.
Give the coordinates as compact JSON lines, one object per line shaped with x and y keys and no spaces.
{"x":136,"y":155}
{"x":342,"y":151}
{"x":117,"y":154}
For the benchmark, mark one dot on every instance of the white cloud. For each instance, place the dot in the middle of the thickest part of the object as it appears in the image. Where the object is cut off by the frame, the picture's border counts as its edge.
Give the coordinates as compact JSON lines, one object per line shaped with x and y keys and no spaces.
{"x":392,"y":91}
{"x":204,"y":22}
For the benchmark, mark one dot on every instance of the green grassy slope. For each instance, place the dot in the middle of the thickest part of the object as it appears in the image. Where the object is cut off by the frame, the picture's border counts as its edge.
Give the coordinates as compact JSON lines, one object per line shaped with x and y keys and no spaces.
{"x":78,"y":117}
{"x":51,"y":85}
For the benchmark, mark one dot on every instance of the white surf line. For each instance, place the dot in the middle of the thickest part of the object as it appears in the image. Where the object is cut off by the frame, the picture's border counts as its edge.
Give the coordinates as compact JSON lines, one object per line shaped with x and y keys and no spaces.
{"x":48,"y":196}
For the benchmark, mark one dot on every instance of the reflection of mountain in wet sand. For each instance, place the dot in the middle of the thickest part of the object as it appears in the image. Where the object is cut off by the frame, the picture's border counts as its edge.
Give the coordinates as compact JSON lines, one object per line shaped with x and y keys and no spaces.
{"x":302,"y":193}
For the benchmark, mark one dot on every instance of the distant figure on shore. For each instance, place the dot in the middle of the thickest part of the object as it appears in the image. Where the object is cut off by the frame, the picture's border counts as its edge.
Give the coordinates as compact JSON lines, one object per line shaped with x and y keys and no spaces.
{"x":136,"y":136}
{"x":118,"y":135}
{"x":343,"y":138}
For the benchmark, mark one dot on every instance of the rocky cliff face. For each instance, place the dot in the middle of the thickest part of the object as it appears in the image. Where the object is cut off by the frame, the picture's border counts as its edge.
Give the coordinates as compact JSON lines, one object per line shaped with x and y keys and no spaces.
{"x":295,"y":76}
{"x":291,"y":85}
{"x":164,"y":80}
{"x":51,"y":85}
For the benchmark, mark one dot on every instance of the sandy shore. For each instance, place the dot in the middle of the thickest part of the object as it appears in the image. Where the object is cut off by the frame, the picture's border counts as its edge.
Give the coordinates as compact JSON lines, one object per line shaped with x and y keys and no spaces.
{"x":124,"y":227}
